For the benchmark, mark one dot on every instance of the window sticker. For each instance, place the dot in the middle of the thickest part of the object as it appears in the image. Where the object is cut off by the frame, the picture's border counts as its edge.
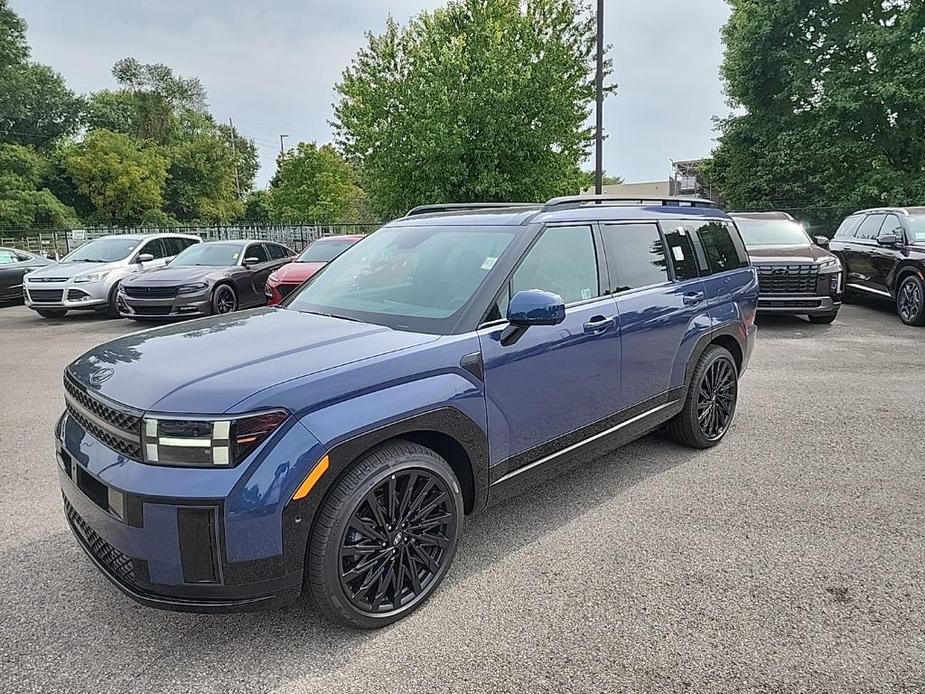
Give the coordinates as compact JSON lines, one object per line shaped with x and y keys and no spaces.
{"x":585,"y":294}
{"x":678,"y":253}
{"x":235,"y":256}
{"x":489,"y":263}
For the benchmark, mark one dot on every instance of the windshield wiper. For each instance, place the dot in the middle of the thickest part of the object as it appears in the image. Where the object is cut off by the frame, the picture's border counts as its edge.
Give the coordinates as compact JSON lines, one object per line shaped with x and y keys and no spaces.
{"x":333,"y":315}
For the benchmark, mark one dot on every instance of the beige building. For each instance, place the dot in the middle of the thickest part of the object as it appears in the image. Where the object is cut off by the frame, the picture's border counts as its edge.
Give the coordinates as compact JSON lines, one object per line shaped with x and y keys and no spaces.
{"x":655,"y":189}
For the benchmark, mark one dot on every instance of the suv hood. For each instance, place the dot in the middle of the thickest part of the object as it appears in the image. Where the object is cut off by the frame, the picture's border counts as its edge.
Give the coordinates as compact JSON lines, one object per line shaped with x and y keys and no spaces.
{"x":69,"y":270}
{"x":803,"y":253}
{"x":174,"y":275}
{"x":207,"y":366}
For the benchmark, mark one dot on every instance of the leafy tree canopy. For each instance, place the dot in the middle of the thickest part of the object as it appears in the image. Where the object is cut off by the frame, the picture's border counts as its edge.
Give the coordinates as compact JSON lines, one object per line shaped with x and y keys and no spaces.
{"x":482,"y":100}
{"x":830,"y":105}
{"x":124,"y":179}
{"x":313,"y":183}
{"x":23,"y":202}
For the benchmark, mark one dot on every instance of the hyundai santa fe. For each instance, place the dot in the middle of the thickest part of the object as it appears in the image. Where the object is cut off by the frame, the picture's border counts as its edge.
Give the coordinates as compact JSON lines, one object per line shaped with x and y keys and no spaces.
{"x":334,"y":444}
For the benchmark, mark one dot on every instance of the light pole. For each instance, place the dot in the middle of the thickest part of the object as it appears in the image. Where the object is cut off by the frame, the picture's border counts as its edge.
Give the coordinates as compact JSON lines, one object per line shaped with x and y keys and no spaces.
{"x":282,"y":150}
{"x":599,"y":155}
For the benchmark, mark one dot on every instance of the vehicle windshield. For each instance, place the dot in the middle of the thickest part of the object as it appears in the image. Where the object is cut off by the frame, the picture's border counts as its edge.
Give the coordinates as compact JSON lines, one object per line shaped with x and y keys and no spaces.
{"x":771,"y":232}
{"x":209,"y":254}
{"x":107,"y":250}
{"x":406,"y":277}
{"x":917,"y":228}
{"x":324,"y":250}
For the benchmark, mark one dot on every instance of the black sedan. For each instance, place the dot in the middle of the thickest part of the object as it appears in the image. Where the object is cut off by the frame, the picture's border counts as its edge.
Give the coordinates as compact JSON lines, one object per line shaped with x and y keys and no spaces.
{"x":14,"y":264}
{"x":205,"y":279}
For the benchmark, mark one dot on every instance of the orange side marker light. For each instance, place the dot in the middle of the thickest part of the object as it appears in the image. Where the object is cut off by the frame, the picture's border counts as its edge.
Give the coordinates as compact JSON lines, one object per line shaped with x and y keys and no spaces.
{"x":320,"y":468}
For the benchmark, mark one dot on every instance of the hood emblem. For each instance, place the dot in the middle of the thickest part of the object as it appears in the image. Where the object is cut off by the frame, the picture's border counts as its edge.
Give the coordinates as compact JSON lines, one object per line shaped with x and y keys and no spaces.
{"x":100,"y":376}
{"x":780,"y":271}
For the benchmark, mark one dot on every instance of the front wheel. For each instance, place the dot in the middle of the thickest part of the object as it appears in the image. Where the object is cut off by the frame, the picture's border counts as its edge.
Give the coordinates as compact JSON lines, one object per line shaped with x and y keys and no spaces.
{"x":224,"y":300}
{"x":910,"y":301}
{"x":385,"y":537}
{"x":711,"y":401}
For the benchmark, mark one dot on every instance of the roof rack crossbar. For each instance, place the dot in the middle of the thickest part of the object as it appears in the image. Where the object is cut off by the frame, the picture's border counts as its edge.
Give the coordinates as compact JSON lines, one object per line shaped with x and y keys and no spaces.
{"x":460,"y":206}
{"x":574,"y":201}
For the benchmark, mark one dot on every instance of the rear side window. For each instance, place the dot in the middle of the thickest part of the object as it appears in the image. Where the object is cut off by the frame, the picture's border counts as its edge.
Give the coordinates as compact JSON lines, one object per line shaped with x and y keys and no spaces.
{"x":848,"y":228}
{"x":870,"y":227}
{"x":278,"y":252}
{"x":681,"y":252}
{"x":723,"y":250}
{"x":175,"y":245}
{"x":563,"y":261}
{"x":635,"y":256}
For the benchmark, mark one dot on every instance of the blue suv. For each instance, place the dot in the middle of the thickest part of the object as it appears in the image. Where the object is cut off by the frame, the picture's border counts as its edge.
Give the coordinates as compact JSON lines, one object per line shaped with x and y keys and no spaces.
{"x":334,"y":444}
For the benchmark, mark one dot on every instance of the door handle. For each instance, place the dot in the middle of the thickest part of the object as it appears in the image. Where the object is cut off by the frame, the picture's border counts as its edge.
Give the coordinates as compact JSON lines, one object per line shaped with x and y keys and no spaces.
{"x":693,"y":298}
{"x":599,"y":324}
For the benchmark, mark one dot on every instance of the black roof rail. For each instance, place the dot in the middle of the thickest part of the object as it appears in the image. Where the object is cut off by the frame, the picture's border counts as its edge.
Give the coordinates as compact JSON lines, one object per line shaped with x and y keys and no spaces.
{"x":575,"y":201}
{"x":460,"y":206}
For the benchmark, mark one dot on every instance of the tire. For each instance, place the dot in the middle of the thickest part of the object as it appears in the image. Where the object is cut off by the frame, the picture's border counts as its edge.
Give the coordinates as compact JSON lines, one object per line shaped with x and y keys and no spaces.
{"x":716,"y":364}
{"x":910,"y":300}
{"x":823,"y":319}
{"x":51,"y":312}
{"x":111,"y":310}
{"x":336,"y":580}
{"x":224,"y":300}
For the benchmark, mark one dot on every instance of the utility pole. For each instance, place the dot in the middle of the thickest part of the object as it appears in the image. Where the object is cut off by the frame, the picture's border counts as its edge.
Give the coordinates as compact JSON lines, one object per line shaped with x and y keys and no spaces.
{"x":234,"y":154}
{"x":282,"y":149}
{"x":599,"y":155}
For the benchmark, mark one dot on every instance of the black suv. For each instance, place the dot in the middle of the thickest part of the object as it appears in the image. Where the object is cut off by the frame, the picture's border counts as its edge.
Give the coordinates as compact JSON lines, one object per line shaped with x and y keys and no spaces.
{"x":883,"y":253}
{"x":798,"y":275}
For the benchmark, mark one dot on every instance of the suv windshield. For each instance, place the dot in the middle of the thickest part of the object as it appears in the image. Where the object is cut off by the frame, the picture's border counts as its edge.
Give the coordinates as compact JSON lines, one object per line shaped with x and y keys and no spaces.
{"x":406,"y":276}
{"x":213,"y":255}
{"x":917,"y":228}
{"x":103,"y":251}
{"x":771,"y":232}
{"x":324,"y":250}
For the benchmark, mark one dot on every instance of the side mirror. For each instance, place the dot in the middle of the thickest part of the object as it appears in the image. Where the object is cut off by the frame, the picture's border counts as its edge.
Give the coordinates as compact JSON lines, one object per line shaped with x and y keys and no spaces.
{"x":889,"y":240}
{"x":251,"y":261}
{"x":822,"y":241}
{"x":535,"y":307}
{"x":145,"y":257}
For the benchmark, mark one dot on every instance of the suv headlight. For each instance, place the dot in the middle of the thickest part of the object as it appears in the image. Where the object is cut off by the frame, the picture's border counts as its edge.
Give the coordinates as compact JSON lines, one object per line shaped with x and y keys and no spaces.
{"x":192,"y":288}
{"x":91,"y":277}
{"x":207,"y":442}
{"x":830,"y":265}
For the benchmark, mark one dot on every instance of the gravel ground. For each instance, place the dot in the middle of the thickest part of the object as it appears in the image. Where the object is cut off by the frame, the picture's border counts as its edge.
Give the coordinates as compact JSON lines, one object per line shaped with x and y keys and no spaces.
{"x":788,"y":559}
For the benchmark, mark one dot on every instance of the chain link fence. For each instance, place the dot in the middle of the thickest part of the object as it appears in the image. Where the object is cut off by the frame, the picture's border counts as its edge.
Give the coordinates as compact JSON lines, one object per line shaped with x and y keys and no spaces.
{"x":56,"y":243}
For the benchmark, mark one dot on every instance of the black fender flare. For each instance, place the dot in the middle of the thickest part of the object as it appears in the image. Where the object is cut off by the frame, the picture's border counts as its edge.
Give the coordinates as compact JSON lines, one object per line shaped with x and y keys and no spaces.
{"x":732,"y":329}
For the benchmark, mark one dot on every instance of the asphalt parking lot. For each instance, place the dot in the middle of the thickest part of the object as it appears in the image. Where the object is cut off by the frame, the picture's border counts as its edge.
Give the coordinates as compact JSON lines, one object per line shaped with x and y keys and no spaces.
{"x":791,"y":558}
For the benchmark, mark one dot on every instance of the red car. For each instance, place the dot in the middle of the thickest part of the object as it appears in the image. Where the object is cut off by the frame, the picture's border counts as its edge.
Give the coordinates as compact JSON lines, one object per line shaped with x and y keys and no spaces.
{"x":318,"y":254}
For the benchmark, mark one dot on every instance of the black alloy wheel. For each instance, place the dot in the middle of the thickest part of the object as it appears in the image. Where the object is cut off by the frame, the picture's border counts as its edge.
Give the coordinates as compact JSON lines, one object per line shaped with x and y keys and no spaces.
{"x":712,"y":395}
{"x":716,"y":397}
{"x":224,"y":299}
{"x":910,"y":301}
{"x":385,"y":536}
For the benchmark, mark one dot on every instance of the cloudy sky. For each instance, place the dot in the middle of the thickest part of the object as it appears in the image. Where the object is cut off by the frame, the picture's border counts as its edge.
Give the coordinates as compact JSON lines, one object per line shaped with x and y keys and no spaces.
{"x":272,"y":65}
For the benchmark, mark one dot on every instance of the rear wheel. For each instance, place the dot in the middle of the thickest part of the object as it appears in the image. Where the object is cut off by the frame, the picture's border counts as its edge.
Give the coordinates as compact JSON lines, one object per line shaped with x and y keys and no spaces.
{"x":224,"y":300}
{"x":910,"y":301}
{"x":711,"y":401}
{"x":51,"y":312}
{"x":824,"y":319}
{"x":385,"y":537}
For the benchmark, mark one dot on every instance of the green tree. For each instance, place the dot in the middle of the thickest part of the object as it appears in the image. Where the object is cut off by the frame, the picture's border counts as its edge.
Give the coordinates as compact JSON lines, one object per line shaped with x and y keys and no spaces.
{"x":830,"y":106}
{"x":124,"y":179}
{"x":36,"y":107}
{"x":483,"y":100}
{"x":257,"y":208}
{"x":201,"y":184}
{"x":314,"y":184}
{"x":24,"y":203}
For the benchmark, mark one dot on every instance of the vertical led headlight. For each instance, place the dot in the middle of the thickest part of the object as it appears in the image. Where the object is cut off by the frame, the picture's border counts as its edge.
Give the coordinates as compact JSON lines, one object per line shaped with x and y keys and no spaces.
{"x":207,"y":442}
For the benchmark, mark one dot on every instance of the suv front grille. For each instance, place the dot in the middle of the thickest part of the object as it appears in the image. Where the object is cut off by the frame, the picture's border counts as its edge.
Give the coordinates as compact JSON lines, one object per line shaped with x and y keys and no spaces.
{"x":46,"y":295}
{"x":150,"y":292}
{"x":115,"y":562}
{"x":788,"y":279}
{"x":93,"y":415}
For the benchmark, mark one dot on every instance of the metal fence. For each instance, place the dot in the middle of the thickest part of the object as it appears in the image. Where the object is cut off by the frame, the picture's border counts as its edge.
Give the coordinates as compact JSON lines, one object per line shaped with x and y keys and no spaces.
{"x":56,"y":243}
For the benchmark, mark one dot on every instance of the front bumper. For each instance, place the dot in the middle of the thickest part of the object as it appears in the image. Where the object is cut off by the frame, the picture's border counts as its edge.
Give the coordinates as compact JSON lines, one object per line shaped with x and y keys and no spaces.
{"x":277,"y":291}
{"x":167,"y":542}
{"x":171,"y":308}
{"x":69,"y":296}
{"x":798,"y":304}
